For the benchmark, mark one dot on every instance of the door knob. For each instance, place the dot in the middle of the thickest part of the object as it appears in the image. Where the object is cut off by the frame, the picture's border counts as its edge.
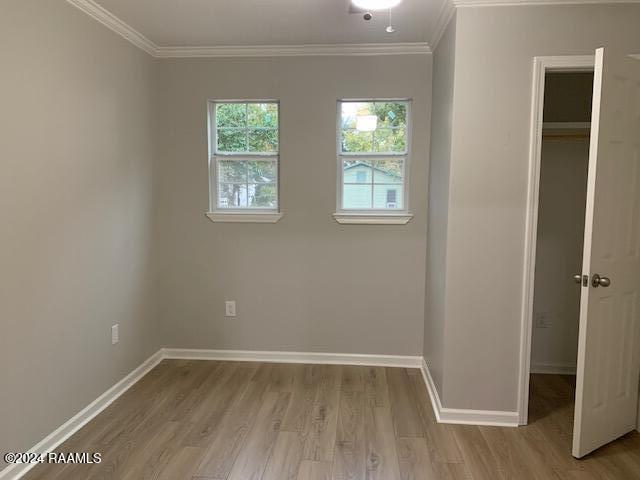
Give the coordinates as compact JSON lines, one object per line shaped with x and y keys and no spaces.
{"x":577,"y":278}
{"x":598,"y":281}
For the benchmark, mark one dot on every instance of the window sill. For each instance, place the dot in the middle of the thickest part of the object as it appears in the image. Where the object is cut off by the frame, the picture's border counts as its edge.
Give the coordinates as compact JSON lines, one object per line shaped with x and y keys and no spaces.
{"x":373,"y":219}
{"x":239,"y":217}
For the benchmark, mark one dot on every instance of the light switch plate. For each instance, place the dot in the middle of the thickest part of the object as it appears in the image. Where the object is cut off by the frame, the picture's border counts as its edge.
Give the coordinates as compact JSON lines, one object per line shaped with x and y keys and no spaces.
{"x":115,"y":334}
{"x":230,"y":308}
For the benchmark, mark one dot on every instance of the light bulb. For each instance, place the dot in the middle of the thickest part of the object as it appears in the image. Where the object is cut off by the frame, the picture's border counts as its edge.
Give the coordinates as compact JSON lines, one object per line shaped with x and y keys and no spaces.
{"x":366,"y":123}
{"x":375,"y":4}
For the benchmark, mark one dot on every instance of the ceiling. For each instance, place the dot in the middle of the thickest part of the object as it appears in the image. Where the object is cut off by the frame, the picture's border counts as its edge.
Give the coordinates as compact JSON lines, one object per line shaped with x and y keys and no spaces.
{"x":209,"y":23}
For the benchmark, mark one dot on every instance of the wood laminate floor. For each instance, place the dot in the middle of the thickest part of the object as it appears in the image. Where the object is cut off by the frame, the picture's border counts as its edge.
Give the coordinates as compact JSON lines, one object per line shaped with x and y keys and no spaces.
{"x":206,"y":420}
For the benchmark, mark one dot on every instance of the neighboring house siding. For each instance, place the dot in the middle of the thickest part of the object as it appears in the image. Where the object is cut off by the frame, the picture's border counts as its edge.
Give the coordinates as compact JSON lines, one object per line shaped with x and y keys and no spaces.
{"x":357,"y":188}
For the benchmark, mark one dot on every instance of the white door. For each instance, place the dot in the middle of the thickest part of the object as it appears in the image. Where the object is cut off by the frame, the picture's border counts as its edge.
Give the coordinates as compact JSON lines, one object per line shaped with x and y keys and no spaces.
{"x":608,"y":350}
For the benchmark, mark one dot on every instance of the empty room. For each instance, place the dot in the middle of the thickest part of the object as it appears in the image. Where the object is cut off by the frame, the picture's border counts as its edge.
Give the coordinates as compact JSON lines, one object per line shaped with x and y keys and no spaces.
{"x":320,"y":239}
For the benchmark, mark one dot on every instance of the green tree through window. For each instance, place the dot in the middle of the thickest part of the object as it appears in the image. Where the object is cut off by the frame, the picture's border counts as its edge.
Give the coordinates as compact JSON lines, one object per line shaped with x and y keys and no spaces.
{"x":373,"y":138}
{"x":246,"y":154}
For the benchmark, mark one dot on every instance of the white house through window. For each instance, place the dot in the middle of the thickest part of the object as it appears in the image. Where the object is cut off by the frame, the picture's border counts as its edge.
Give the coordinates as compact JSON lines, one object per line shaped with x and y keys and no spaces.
{"x":373,"y":152}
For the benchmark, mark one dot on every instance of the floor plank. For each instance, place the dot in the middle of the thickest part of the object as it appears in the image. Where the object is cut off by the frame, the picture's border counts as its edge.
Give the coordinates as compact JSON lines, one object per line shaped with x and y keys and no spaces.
{"x":350,"y":448}
{"x":225,"y":448}
{"x":285,"y":460}
{"x":320,"y":431}
{"x":310,"y":470}
{"x":255,"y":454}
{"x":305,"y":384}
{"x":414,"y":459}
{"x":406,"y":419}
{"x":381,"y":455}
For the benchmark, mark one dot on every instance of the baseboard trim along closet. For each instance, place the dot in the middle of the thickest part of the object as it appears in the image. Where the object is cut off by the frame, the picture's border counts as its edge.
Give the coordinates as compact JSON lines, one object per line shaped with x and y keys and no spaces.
{"x":404,"y":361}
{"x":465,"y":416}
{"x":84,"y":416}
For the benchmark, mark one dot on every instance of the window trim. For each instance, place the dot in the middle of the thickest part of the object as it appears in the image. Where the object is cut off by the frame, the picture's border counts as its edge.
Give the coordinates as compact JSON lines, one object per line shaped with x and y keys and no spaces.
{"x":249,"y":214}
{"x":373,"y":215}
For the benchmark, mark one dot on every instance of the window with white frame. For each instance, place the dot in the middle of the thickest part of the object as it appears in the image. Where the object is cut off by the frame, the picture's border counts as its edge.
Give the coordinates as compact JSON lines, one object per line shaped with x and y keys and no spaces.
{"x":244,"y":154}
{"x":373,"y":152}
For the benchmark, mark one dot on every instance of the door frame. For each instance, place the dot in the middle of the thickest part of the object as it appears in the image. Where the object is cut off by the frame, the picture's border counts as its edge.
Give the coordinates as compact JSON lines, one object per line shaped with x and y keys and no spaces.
{"x":541,"y":65}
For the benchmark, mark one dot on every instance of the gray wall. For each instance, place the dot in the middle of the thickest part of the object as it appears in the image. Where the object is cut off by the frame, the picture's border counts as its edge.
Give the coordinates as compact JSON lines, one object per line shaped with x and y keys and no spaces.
{"x":495,"y":47}
{"x":556,"y":302}
{"x":440,"y":163}
{"x":305,"y":283}
{"x":76,"y":218}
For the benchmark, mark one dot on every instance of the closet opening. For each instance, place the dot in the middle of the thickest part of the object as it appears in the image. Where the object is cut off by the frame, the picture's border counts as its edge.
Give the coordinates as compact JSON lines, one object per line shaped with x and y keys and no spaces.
{"x":559,"y":248}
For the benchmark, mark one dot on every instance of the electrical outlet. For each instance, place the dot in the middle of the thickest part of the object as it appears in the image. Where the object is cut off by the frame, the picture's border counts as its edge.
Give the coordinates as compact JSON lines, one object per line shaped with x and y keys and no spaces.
{"x":230,"y":308}
{"x":115,"y":334}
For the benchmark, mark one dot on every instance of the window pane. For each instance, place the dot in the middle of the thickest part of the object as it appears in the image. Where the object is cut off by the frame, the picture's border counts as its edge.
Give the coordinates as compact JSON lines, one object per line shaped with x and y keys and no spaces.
{"x":351,"y":110}
{"x":390,"y":140}
{"x":354,"y":141}
{"x":243,"y":180}
{"x":232,"y":195}
{"x":263,"y":195}
{"x":388,"y":171}
{"x":263,"y":115}
{"x":391,"y":114}
{"x":357,"y":171}
{"x":232,"y":140}
{"x":232,"y":172}
{"x":262,"y":140}
{"x":262,"y":172}
{"x":373,"y":127}
{"x":387,"y":196}
{"x":231,"y":115}
{"x":356,"y":196}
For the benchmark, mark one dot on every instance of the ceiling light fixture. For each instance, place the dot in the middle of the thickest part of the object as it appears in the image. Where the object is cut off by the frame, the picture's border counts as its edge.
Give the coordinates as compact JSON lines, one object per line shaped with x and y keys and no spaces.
{"x":375,"y":4}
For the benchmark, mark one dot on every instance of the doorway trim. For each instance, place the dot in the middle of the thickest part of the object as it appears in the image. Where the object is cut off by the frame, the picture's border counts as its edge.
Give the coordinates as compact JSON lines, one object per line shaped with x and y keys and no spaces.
{"x":541,"y":65}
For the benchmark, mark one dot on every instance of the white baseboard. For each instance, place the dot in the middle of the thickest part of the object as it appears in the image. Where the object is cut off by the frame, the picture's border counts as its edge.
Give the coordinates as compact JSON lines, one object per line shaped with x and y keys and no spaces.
{"x":404,"y":361}
{"x":75,"y":423}
{"x":553,"y":368}
{"x":465,"y":416}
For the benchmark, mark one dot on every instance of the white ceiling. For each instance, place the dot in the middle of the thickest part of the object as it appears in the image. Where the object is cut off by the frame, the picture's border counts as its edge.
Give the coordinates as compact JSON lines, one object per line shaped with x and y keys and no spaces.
{"x":196,"y":23}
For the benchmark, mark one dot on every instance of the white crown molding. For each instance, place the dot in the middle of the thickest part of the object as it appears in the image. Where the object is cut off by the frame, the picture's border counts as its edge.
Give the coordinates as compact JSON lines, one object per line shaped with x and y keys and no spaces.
{"x":354,"y":49}
{"x":465,"y":416}
{"x":80,"y":419}
{"x":112,"y":22}
{"x":129,"y":33}
{"x":445,"y":15}
{"x":447,"y":10}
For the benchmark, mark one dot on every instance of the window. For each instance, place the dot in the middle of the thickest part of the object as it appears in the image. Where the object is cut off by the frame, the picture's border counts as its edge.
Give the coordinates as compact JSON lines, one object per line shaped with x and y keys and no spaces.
{"x":244,"y":146}
{"x":372,"y":156}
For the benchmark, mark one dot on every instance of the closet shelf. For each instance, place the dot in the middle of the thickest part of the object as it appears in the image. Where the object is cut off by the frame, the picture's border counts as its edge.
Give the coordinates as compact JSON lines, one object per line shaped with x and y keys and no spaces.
{"x":566,"y":129}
